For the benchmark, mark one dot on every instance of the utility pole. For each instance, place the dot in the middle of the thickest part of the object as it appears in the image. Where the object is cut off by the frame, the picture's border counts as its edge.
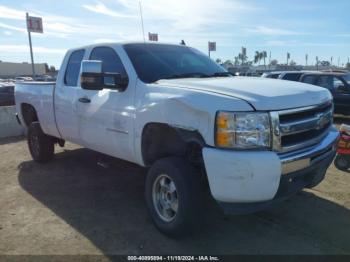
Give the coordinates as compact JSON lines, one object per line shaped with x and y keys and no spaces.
{"x":143,"y":29}
{"x":306,"y":58}
{"x":31,"y":48}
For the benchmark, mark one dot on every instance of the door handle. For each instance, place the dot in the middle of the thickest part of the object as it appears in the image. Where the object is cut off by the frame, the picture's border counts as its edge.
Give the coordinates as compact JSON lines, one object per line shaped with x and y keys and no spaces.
{"x":84,"y":100}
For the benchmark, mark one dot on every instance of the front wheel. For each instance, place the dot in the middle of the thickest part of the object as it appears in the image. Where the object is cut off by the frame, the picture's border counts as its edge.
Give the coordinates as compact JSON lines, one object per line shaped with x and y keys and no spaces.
{"x":41,"y":146}
{"x":174,"y":196}
{"x":342,"y":162}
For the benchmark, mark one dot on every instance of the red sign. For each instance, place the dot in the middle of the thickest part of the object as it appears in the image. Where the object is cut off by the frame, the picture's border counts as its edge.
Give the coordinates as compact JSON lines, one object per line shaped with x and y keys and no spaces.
{"x":212,"y":46}
{"x":153,"y":37}
{"x":35,"y":24}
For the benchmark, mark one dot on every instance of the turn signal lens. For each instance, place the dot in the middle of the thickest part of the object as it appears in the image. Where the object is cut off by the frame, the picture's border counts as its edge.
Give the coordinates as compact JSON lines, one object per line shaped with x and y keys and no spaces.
{"x":221,"y":120}
{"x":224,"y":139}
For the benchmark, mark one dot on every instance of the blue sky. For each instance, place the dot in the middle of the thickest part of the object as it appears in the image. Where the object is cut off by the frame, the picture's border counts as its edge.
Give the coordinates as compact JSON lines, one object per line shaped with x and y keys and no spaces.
{"x":314,"y":27}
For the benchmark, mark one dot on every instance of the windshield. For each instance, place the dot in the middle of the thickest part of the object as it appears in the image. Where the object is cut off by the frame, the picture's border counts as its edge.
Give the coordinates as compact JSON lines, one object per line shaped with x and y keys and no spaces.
{"x":154,"y":61}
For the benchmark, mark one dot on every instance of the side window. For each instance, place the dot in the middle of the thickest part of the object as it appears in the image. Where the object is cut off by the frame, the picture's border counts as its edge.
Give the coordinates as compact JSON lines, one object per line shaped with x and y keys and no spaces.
{"x":73,"y":68}
{"x":309,"y":79}
{"x":292,"y":77}
{"x":325,"y":81}
{"x":111,"y":62}
{"x":340,"y":85}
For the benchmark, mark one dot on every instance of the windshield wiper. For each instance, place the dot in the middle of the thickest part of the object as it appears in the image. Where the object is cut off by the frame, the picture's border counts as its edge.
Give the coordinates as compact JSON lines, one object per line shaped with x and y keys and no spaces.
{"x":186,"y":75}
{"x":220,"y":74}
{"x":195,"y":75}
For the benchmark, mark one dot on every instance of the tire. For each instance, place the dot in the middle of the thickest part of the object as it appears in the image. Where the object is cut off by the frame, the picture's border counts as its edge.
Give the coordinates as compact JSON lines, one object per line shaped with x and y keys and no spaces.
{"x":41,"y":146}
{"x":188,"y":192}
{"x":342,"y":162}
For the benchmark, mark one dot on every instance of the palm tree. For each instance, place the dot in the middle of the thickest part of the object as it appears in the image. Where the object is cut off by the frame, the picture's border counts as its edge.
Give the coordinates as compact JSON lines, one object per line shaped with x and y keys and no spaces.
{"x":256,"y":57}
{"x":264,"y":55}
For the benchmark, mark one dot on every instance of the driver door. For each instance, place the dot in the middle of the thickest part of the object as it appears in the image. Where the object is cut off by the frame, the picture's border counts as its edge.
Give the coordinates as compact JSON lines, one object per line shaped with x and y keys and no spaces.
{"x":106,"y":116}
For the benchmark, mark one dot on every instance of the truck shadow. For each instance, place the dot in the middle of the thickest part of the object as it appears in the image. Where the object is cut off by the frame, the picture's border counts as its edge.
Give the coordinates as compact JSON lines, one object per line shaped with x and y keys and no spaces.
{"x":106,"y":205}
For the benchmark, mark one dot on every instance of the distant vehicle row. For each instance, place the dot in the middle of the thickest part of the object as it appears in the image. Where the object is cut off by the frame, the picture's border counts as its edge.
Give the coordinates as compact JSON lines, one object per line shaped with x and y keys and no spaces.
{"x":7,"y":97}
{"x":338,"y":83}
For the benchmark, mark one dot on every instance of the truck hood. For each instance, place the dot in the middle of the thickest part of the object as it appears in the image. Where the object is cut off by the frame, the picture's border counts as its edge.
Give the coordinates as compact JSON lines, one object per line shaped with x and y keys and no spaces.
{"x":261,"y":93}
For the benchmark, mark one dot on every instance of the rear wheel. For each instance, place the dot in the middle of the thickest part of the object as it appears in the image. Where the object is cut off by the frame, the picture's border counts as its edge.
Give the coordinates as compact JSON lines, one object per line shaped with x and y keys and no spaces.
{"x":174,"y":196}
{"x":41,"y":146}
{"x":342,"y":162}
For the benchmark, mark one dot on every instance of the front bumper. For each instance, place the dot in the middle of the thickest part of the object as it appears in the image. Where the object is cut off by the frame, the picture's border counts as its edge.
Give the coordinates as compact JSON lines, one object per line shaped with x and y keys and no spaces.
{"x":244,"y":182}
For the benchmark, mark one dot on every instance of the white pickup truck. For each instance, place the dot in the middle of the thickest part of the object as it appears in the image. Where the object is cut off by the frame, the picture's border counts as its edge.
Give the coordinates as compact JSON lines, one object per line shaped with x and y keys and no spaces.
{"x":169,"y":108}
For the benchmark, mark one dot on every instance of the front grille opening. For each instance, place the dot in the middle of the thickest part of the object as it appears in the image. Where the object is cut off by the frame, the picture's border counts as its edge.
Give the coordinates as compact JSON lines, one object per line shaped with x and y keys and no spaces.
{"x":304,"y":114}
{"x":303,"y":137}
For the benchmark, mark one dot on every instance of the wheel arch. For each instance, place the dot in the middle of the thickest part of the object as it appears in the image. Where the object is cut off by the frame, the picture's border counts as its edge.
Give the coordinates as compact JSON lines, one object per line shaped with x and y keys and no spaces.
{"x":29,"y":114}
{"x":162,"y":140}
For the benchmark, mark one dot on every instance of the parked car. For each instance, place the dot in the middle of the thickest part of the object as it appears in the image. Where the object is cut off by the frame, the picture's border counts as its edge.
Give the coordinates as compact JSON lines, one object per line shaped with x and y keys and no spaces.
{"x":285,"y":75}
{"x":7,"y":97}
{"x":250,"y":142}
{"x":46,"y":78}
{"x":23,"y":78}
{"x":337,"y":83}
{"x":273,"y":75}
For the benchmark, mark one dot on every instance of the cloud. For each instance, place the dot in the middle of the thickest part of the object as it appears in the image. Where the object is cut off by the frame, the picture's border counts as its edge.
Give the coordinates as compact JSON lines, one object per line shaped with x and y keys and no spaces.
{"x":296,"y":43}
{"x":342,"y":35}
{"x":102,"y":9}
{"x":180,"y":14}
{"x":8,"y":33}
{"x":25,"y":48}
{"x":270,"y":31}
{"x":104,"y":40}
{"x":195,"y":15}
{"x":14,"y":28}
{"x":58,"y":26}
{"x":10,"y":13}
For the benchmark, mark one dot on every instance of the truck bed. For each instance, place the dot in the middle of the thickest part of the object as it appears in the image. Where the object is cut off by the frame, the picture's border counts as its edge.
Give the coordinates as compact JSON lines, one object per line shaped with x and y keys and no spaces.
{"x":41,"y":96}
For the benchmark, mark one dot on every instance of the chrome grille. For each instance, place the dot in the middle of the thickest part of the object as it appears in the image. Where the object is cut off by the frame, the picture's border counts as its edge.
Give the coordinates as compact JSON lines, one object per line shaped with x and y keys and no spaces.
{"x":300,"y":128}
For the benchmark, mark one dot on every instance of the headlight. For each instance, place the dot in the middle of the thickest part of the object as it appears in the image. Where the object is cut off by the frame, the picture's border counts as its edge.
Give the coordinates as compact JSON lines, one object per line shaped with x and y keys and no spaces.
{"x":243,"y":130}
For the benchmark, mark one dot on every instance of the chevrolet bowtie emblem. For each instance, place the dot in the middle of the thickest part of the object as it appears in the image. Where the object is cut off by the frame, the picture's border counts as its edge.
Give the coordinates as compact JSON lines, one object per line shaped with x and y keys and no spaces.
{"x":322,"y":121}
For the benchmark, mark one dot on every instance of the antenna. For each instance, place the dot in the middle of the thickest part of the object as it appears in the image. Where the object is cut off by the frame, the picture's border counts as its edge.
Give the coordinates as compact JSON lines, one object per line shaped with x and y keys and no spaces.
{"x":143,"y":30}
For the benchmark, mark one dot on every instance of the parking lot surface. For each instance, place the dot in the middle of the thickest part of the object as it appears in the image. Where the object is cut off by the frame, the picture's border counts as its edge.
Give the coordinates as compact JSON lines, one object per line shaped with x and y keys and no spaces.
{"x":87,"y":203}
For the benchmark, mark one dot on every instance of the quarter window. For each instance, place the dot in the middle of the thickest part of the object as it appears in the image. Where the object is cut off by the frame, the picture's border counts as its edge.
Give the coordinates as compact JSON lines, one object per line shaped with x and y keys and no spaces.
{"x":73,"y":68}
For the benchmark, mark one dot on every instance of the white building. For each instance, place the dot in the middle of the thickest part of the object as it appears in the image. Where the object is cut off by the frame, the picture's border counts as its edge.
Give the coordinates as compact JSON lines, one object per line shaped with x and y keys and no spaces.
{"x":9,"y":69}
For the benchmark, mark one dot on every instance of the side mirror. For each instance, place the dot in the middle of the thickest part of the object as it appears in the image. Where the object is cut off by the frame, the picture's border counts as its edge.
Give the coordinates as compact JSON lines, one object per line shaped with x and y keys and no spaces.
{"x":343,"y":89}
{"x":115,"y":81}
{"x":91,"y":75}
